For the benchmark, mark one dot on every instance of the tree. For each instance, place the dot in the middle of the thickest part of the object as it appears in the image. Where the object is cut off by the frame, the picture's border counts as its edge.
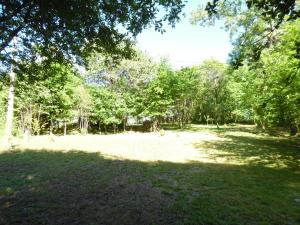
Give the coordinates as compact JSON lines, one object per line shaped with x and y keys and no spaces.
{"x":212,"y":102}
{"x":275,"y":9}
{"x":108,"y":107}
{"x":156,"y":100}
{"x":74,"y":28}
{"x":253,"y":25}
{"x":45,"y":97}
{"x":183,"y":90}
{"x":123,"y":82}
{"x":83,"y":107}
{"x":279,"y":75}
{"x":241,"y":93}
{"x":264,"y":77}
{"x":71,"y":30}
{"x":3,"y":101}
{"x":270,"y":87}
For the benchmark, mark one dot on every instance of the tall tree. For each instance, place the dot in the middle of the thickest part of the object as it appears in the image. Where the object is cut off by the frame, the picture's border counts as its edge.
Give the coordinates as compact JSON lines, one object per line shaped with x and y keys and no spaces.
{"x":253,"y":25}
{"x":45,"y":97}
{"x":211,"y":97}
{"x":122,"y":83}
{"x":64,"y":29}
{"x":74,"y":28}
{"x":184,"y":87}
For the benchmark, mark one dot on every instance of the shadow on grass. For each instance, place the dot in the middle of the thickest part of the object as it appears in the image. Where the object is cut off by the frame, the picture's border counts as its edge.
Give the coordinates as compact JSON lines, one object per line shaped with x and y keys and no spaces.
{"x":46,"y":187}
{"x":277,"y":132}
{"x":266,"y":151}
{"x":212,"y":127}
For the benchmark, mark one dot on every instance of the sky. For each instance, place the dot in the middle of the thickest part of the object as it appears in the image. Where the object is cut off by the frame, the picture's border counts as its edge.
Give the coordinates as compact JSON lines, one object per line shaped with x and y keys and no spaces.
{"x":186,"y":44}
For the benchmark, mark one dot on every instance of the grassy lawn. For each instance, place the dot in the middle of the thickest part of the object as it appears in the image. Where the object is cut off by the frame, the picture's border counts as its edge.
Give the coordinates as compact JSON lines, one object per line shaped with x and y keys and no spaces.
{"x":202,"y":175}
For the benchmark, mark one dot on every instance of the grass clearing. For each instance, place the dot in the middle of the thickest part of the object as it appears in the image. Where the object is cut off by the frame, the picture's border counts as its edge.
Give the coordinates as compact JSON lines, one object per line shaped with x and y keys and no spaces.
{"x":198,"y":176}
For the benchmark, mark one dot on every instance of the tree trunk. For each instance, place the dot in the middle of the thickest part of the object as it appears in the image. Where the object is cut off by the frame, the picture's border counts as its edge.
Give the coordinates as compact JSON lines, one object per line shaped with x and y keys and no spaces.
{"x":65,"y":128}
{"x":26,"y":136}
{"x":99,"y":127}
{"x":155,"y":125}
{"x":180,"y":122}
{"x":124,"y":125}
{"x":51,"y":127}
{"x":293,"y":128}
{"x":86,"y":126}
{"x":10,"y":110}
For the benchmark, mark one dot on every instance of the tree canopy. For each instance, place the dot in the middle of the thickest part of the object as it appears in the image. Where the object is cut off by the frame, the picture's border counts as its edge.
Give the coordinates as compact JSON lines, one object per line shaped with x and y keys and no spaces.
{"x":259,"y":85}
{"x":73,"y":29}
{"x":253,"y":25}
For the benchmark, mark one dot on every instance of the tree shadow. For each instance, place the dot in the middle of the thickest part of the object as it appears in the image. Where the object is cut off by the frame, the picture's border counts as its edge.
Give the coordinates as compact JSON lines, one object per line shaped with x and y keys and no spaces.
{"x":48,"y":187}
{"x":264,"y":151}
{"x":249,"y":128}
{"x":221,"y":129}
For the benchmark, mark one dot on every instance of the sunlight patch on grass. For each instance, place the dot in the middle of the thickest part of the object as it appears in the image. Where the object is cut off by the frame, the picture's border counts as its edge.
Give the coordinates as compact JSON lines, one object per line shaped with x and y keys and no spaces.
{"x":172,"y":147}
{"x":235,"y":145}
{"x":242,"y":148}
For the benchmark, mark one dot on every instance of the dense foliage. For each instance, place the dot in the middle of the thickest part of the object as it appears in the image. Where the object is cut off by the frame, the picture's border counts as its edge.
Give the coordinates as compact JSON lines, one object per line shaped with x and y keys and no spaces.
{"x":260,"y":84}
{"x":69,"y":31}
{"x":271,"y":85}
{"x":264,"y":79}
{"x":61,"y":29}
{"x":114,"y":96}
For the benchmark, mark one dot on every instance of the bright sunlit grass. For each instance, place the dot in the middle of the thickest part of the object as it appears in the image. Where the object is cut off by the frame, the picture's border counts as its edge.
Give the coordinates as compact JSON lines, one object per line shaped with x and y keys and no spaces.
{"x":172,"y":146}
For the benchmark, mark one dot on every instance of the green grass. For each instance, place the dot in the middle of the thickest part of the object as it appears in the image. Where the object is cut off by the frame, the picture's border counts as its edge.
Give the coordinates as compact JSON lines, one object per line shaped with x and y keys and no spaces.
{"x":254,"y":180}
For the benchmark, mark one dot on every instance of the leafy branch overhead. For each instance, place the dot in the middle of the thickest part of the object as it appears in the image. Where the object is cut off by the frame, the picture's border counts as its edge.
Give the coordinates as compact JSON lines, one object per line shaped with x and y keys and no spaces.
{"x":73,"y":29}
{"x":253,"y":25}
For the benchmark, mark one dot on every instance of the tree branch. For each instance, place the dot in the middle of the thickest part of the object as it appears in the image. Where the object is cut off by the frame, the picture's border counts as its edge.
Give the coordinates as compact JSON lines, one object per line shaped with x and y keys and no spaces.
{"x":10,"y":37}
{"x":15,"y":12}
{"x":15,"y":32}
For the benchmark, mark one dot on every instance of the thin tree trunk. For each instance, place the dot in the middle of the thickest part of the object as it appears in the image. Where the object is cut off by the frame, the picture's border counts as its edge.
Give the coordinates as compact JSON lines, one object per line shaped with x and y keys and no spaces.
{"x":99,"y":127}
{"x":50,"y":128}
{"x":293,"y":128}
{"x":87,"y":126}
{"x":124,"y":125}
{"x":26,"y":136}
{"x":38,"y":119}
{"x":10,"y":110}
{"x":65,"y":128}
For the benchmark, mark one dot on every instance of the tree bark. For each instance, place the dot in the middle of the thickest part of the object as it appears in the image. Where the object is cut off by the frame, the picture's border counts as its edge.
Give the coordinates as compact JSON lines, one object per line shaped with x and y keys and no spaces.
{"x":99,"y":127}
{"x":50,"y":128}
{"x":10,"y":110}
{"x":65,"y":128}
{"x":124,"y":124}
{"x":293,"y":128}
